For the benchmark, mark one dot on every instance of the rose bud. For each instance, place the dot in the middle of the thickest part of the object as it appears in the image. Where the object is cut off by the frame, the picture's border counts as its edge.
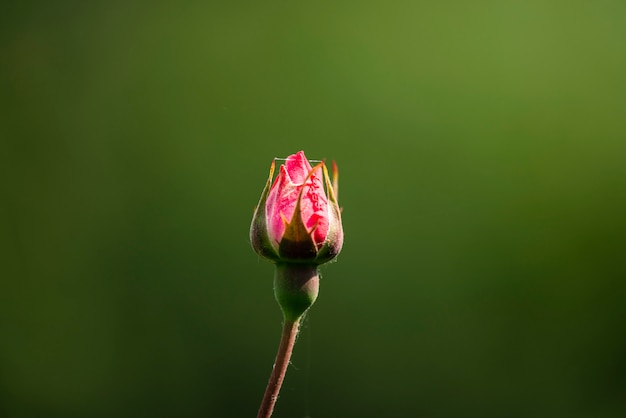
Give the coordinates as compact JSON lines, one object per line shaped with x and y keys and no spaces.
{"x":298,"y":219}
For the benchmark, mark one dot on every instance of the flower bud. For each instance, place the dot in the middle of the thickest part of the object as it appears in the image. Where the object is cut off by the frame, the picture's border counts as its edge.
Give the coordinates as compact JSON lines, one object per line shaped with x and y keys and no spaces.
{"x":297,"y":220}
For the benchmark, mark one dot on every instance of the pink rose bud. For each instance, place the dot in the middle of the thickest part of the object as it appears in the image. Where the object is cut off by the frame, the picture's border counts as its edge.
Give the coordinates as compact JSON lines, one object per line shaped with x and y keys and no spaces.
{"x":297,"y":220}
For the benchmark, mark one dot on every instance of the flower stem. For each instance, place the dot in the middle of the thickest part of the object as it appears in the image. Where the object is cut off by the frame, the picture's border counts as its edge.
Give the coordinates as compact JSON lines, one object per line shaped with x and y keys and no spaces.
{"x":287,"y":341}
{"x":295,"y":288}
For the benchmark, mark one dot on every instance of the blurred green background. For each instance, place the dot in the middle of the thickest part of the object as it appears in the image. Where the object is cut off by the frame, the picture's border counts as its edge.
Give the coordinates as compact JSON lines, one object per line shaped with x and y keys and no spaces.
{"x":481,"y":146}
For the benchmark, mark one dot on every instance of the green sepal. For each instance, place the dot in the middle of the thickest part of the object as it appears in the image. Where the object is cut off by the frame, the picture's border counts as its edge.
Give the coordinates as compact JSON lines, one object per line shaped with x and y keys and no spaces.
{"x":334,"y":237}
{"x":297,"y":244}
{"x":259,"y":238}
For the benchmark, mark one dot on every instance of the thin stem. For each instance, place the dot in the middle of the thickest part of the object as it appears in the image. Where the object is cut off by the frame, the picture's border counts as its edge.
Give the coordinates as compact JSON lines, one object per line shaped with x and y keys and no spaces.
{"x":287,"y":341}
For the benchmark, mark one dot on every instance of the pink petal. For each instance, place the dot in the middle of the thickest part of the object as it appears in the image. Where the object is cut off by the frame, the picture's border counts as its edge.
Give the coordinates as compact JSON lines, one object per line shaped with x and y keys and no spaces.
{"x":298,"y":167}
{"x":281,"y":201}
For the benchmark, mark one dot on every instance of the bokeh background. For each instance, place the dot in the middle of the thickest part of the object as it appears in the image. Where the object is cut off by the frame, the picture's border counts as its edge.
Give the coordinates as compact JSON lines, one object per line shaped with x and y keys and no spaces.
{"x":481,"y":146}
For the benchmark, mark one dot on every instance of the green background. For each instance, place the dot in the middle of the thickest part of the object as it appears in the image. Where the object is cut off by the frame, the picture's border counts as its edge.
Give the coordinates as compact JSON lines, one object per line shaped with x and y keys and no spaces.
{"x":481,"y":146}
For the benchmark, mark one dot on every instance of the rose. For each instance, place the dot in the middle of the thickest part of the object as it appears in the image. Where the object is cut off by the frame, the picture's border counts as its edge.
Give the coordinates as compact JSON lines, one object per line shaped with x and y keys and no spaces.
{"x":297,"y":225}
{"x":297,"y":220}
